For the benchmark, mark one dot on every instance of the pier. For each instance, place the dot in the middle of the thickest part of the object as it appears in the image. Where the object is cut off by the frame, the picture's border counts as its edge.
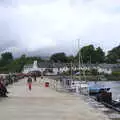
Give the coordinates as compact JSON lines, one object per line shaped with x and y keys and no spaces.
{"x":44,"y":103}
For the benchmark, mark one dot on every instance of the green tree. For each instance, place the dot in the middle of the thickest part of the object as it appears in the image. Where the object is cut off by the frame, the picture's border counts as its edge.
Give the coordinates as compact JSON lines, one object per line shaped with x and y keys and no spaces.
{"x":113,"y":55}
{"x":90,"y":54}
{"x":70,"y":58}
{"x":59,"y":57}
{"x":87,"y":53}
{"x":6,"y":58}
{"x":94,"y":72}
{"x":100,"y":55}
{"x":17,"y":65}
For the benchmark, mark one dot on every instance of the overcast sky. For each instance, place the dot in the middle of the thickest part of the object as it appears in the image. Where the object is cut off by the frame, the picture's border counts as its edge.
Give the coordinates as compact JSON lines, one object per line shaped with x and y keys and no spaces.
{"x":48,"y":26}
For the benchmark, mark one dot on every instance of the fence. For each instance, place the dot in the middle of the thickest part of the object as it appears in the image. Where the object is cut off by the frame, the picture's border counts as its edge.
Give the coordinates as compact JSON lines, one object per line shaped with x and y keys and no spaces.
{"x":69,"y":85}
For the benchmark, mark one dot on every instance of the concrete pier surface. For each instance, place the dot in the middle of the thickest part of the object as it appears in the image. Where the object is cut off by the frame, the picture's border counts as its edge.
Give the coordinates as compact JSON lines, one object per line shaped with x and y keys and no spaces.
{"x":44,"y":104}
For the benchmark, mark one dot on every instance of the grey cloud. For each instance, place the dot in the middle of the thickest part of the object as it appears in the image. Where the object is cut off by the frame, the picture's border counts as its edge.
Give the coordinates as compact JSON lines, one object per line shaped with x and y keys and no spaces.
{"x":28,"y":2}
{"x":47,"y":26}
{"x":7,"y":38}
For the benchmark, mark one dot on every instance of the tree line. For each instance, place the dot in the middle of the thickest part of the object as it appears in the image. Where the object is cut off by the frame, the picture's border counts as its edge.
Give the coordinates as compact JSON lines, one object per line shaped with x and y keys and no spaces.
{"x":9,"y":64}
{"x":88,"y":54}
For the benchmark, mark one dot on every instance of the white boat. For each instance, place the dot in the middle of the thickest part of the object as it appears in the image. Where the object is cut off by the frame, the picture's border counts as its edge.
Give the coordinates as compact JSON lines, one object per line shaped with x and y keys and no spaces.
{"x":79,"y":87}
{"x":84,"y":85}
{"x":117,"y":99}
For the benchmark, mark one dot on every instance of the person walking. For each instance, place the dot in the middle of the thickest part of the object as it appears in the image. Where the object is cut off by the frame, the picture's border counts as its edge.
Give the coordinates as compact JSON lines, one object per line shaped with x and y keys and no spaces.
{"x":3,"y":89}
{"x":34,"y":77}
{"x":29,"y":81}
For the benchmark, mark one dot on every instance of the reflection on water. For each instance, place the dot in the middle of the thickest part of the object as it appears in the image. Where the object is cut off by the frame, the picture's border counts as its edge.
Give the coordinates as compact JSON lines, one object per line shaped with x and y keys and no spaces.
{"x":114,"y":85}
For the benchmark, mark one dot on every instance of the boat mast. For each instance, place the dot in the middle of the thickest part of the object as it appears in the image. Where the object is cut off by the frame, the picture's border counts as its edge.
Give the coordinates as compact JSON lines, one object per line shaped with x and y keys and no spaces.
{"x":79,"y":54}
{"x":71,"y":70}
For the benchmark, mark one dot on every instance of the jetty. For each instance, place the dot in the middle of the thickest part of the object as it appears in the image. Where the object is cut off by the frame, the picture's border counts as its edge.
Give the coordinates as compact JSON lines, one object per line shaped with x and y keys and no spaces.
{"x":44,"y":103}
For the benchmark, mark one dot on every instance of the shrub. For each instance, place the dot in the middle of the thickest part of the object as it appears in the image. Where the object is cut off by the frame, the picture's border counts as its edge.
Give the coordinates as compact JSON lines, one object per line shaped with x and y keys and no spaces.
{"x":94,"y":72}
{"x":116,"y":73}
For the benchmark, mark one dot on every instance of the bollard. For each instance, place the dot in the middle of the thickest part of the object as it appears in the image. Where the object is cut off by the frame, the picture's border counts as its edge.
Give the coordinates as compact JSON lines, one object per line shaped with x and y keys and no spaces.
{"x":46,"y":84}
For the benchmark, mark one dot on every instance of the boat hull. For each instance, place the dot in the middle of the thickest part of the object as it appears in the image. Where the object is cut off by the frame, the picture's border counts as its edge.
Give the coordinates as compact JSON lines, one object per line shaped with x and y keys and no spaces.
{"x":93,"y":90}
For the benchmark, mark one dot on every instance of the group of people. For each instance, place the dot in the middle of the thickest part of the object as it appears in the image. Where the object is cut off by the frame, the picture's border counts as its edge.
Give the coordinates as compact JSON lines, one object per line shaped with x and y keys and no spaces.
{"x":3,"y":89}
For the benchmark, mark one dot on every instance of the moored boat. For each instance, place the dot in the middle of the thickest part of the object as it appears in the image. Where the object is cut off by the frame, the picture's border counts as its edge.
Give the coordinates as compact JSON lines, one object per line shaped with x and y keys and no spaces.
{"x":95,"y":89}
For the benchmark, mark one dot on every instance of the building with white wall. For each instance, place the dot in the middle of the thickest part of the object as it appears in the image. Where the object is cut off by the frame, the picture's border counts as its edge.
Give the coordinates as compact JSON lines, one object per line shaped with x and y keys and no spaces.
{"x":108,"y":68}
{"x":49,"y":68}
{"x":55,"y":68}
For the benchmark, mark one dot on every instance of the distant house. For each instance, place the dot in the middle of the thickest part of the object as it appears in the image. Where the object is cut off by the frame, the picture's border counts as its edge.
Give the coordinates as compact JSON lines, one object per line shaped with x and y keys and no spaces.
{"x":82,"y":67}
{"x":27,"y":68}
{"x":116,"y":68}
{"x":46,"y":67}
{"x":108,"y":68}
{"x":55,"y":68}
{"x":60,"y":67}
{"x":31,"y":67}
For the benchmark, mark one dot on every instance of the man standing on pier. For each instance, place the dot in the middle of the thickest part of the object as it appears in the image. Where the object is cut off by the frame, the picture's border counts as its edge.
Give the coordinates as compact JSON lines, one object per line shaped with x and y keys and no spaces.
{"x":34,"y":77}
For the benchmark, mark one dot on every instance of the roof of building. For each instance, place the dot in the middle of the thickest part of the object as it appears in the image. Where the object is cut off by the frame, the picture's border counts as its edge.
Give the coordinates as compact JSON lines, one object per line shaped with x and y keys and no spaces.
{"x":61,"y":65}
{"x":112,"y":66}
{"x":52,"y":65}
{"x":28,"y":66}
{"x":44,"y":65}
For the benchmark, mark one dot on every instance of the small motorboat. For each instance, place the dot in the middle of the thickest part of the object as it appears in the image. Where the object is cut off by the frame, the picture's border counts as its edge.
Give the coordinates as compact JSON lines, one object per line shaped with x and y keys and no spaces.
{"x":95,"y":89}
{"x":116,"y":102}
{"x":117,"y":98}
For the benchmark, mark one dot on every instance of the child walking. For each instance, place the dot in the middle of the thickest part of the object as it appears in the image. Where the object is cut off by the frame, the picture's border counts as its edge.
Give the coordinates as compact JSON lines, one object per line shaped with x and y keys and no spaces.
{"x":29,"y":81}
